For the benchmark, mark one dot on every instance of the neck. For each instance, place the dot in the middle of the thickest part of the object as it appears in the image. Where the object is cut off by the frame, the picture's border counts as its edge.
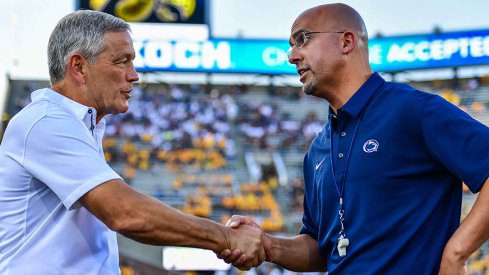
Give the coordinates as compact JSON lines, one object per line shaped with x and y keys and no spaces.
{"x":68,"y":91}
{"x":350,"y":86}
{"x":340,"y":100}
{"x":74,"y":94}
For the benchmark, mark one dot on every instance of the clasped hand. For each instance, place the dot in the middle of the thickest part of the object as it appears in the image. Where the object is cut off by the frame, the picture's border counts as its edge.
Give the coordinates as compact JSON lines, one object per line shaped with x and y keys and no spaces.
{"x":251,"y":245}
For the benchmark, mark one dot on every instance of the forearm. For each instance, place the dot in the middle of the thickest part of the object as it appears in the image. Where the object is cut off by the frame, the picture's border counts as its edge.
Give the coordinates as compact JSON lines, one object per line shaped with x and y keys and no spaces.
{"x":158,"y":224}
{"x":473,"y":231}
{"x":163,"y":225}
{"x":299,"y":254}
{"x":149,"y":221}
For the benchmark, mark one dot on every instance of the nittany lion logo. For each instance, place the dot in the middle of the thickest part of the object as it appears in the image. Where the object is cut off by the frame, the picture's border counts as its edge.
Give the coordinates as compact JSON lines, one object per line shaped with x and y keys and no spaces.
{"x":371,"y":146}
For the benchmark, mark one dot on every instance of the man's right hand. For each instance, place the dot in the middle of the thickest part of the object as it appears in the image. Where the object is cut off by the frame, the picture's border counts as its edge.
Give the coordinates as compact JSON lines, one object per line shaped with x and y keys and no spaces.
{"x":241,"y":259}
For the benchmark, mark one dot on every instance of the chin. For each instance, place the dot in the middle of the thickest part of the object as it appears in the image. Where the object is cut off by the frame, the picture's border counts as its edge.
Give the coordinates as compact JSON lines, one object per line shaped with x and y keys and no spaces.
{"x":122,"y":109}
{"x":309,"y":88}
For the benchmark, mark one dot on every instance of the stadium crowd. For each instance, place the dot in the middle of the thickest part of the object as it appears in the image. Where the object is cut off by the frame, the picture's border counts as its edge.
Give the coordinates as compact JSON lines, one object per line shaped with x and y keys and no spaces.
{"x":198,"y":134}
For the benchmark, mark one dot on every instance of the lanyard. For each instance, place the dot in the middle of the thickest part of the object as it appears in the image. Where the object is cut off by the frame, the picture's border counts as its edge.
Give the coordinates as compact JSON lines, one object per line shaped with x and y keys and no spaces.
{"x":343,"y":242}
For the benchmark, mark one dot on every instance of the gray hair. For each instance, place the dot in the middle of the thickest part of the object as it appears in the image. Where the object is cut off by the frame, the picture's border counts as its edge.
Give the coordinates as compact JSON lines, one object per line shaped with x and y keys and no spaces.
{"x":80,"y":32}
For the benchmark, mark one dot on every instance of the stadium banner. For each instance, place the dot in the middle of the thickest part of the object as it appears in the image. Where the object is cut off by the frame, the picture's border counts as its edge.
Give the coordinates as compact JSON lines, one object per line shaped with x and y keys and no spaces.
{"x":260,"y":56}
{"x":452,"y":49}
{"x":214,"y":55}
{"x":152,"y":11}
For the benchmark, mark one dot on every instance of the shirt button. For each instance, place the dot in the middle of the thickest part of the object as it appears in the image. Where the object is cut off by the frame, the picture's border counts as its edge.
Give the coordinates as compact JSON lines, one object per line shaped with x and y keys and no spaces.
{"x":343,"y":134}
{"x":89,"y":111}
{"x":91,"y":128}
{"x":340,"y":155}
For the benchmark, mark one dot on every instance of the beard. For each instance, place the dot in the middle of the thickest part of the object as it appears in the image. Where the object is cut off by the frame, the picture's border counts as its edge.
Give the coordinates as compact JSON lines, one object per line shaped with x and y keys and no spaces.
{"x":310,"y":87}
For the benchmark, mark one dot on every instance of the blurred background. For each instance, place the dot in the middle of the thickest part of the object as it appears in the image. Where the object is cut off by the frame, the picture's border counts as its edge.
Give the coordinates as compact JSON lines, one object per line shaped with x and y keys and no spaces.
{"x":218,"y":124}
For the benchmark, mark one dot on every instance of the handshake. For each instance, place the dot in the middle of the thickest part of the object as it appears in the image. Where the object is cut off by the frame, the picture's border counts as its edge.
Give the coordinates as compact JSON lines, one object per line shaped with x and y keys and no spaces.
{"x":247,"y":242}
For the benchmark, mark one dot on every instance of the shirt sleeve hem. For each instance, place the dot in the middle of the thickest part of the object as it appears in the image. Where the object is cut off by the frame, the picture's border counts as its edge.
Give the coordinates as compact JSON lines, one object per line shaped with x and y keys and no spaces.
{"x":71,"y":202}
{"x":309,"y":232}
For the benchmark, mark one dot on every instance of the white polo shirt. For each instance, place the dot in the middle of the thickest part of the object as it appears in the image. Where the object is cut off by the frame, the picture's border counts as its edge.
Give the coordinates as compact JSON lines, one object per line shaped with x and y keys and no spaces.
{"x":51,"y":155}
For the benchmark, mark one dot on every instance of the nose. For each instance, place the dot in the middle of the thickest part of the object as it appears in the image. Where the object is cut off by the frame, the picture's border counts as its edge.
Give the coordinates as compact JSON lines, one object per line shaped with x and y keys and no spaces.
{"x":132,"y":75}
{"x":293,"y":56}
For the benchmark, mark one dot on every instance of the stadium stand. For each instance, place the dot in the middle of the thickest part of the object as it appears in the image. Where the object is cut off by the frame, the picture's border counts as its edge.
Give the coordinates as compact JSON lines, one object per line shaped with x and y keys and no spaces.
{"x":223,"y":150}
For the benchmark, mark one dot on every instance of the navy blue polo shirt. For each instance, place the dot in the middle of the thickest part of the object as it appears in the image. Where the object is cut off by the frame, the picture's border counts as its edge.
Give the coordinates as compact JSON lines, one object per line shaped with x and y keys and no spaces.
{"x":399,"y":157}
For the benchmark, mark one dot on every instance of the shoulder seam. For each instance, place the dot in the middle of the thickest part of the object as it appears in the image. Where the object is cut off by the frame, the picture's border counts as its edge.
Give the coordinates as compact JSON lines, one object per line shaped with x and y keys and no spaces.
{"x":27,"y":135}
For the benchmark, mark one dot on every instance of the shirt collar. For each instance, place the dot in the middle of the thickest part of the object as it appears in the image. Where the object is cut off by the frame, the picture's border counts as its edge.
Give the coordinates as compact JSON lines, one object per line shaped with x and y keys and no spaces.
{"x":84,"y":113}
{"x":360,"y":99}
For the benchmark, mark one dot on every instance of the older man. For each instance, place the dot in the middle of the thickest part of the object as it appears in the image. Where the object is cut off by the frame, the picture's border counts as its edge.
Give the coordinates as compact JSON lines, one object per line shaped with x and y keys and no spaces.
{"x":60,"y":203}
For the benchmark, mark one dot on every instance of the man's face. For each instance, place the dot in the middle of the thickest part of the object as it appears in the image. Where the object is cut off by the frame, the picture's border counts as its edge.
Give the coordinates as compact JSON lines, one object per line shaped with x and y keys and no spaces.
{"x":317,"y":56}
{"x":109,"y":81}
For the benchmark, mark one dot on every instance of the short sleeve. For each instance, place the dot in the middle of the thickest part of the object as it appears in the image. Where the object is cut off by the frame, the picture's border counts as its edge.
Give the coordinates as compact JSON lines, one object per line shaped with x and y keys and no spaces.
{"x":60,"y":152}
{"x":308,"y":224}
{"x":457,"y":140}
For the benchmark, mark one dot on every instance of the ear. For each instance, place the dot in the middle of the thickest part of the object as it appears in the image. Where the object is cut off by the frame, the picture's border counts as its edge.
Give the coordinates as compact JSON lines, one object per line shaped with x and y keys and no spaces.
{"x":349,"y":42}
{"x":76,"y":68}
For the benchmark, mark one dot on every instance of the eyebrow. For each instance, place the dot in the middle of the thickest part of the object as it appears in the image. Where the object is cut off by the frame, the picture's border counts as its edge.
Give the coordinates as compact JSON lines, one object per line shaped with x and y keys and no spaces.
{"x":129,"y":55}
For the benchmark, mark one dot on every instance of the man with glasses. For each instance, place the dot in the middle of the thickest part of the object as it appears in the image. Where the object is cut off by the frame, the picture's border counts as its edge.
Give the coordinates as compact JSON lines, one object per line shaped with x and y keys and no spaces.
{"x":383,"y":179}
